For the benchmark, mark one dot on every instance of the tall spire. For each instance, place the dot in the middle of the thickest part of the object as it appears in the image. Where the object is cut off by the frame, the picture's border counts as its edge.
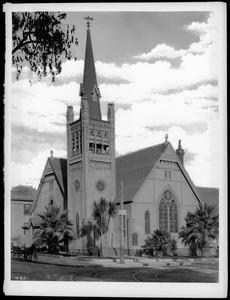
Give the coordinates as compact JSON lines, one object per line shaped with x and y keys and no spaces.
{"x":89,"y":86}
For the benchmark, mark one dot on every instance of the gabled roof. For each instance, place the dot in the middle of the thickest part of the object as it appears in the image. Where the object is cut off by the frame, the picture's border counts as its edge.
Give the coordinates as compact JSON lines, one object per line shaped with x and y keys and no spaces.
{"x":23,"y":193}
{"x":59,"y":166}
{"x":59,"y":169}
{"x":209,"y":196}
{"x":133,"y":168}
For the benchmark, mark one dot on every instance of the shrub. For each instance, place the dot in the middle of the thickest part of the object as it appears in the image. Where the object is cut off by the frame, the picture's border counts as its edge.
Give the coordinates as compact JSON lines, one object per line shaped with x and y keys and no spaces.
{"x":139,"y":252}
{"x":159,"y":243}
{"x":92,"y":249}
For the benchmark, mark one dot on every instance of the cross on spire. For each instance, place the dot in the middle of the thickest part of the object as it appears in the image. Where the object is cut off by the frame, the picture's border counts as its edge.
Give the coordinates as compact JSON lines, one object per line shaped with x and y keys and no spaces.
{"x":88,"y":23}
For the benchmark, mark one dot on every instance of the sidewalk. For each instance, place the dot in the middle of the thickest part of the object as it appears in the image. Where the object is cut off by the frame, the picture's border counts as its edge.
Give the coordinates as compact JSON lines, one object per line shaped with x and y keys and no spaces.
{"x":84,"y":261}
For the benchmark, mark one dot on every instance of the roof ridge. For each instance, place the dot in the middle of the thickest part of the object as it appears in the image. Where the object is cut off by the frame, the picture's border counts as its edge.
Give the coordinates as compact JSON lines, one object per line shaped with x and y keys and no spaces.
{"x":207,"y":187}
{"x":139,"y":150}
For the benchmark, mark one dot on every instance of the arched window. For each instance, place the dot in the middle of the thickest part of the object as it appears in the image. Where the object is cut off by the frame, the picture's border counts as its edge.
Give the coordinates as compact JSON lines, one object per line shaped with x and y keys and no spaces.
{"x":168,"y":213}
{"x":51,"y":200}
{"x":147,"y":222}
{"x":77,"y":225}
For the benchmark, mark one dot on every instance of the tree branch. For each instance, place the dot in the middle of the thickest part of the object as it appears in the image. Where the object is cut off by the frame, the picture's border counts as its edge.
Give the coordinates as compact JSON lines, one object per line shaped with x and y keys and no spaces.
{"x":20,"y":45}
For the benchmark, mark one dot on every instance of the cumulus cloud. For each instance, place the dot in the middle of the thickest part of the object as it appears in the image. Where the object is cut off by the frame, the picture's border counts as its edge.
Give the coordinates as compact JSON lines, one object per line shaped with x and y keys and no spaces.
{"x":41,"y":106}
{"x":206,"y":31}
{"x":156,"y":97}
{"x":31,"y":173}
{"x":160,"y":51}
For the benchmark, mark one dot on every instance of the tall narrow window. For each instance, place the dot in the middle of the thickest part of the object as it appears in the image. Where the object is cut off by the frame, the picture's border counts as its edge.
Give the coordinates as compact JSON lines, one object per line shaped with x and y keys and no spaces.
{"x":163,"y":215}
{"x":168,"y":213}
{"x":147,"y":222}
{"x":134,"y":239}
{"x":51,"y":185}
{"x":77,"y":225}
{"x":170,"y":174}
{"x":27,"y":208}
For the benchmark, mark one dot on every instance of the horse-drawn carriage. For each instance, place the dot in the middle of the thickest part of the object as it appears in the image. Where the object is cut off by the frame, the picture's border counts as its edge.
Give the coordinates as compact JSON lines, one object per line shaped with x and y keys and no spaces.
{"x":26,"y":253}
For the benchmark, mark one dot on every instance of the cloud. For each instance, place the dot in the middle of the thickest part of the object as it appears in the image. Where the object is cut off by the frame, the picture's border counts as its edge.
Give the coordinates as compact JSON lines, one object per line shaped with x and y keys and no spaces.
{"x":27,"y":143}
{"x":161,"y":51}
{"x":151,"y":97}
{"x":206,"y":31}
{"x":30,"y":173}
{"x":41,"y":106}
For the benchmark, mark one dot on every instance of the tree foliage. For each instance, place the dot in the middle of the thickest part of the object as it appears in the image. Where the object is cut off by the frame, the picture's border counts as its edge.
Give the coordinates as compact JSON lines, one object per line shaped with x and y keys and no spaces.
{"x":102,"y":213}
{"x":159,"y":242}
{"x":202,"y":227}
{"x":41,"y":40}
{"x":90,"y":231}
{"x":55,"y":227}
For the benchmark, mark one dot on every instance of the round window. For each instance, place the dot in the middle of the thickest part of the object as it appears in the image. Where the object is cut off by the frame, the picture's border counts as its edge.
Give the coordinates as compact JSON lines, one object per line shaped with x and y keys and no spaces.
{"x":76,"y":186}
{"x":100,"y":185}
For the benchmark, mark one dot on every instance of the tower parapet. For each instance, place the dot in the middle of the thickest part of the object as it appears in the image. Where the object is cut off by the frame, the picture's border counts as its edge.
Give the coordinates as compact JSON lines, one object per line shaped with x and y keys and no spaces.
{"x":69,"y":114}
{"x":111,"y":113}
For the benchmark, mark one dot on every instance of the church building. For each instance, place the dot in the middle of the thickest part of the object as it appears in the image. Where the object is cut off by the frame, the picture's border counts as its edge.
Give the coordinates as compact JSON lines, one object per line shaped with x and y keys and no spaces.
{"x":157,"y":190}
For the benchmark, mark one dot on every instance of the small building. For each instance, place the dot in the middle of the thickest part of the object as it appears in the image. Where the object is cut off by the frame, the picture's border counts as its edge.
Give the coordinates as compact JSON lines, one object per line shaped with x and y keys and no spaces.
{"x":22,"y":198}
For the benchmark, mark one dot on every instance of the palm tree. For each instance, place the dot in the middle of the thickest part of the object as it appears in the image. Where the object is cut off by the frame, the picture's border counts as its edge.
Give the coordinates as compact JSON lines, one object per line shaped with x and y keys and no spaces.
{"x":55,"y":228}
{"x":111,"y":212}
{"x":102,"y":213}
{"x":202,"y":227}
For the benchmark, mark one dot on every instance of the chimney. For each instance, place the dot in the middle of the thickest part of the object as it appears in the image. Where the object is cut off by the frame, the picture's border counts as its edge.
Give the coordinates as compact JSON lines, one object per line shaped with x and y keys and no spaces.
{"x":180,"y":152}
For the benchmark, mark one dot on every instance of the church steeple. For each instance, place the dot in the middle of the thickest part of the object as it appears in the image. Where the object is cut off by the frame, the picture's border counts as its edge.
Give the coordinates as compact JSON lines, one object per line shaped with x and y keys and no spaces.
{"x":89,"y":87}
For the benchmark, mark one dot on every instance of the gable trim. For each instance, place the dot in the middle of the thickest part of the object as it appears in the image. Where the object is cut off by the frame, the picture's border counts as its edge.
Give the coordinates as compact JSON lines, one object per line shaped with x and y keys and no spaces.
{"x":183,"y":171}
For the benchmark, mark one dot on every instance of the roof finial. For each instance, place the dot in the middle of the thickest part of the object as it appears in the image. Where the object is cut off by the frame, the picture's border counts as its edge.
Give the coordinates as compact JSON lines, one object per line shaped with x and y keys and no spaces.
{"x":51,"y":153}
{"x":166,"y":138}
{"x":88,"y":23}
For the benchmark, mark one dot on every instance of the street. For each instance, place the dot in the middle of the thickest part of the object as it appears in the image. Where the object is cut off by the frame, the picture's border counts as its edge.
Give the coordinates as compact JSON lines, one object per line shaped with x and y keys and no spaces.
{"x":33,"y":271}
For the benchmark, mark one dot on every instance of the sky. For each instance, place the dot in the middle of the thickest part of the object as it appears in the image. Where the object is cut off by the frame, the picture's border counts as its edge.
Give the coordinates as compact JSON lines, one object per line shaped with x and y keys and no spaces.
{"x":160,"y":69}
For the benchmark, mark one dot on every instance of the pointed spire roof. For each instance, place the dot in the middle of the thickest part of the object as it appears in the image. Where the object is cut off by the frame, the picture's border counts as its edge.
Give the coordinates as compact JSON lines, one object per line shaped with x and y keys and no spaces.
{"x":89,"y":77}
{"x":89,"y":87}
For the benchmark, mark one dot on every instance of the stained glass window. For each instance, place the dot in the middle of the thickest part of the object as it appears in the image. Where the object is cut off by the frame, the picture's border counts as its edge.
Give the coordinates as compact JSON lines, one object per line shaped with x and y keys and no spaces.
{"x":168,"y":213}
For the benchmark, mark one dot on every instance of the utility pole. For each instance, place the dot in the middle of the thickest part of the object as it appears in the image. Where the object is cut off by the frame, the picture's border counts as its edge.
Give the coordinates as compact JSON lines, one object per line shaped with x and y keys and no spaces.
{"x":121,"y":213}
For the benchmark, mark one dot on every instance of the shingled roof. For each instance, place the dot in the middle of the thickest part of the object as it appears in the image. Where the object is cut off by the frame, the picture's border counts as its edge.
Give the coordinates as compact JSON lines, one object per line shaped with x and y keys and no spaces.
{"x":209,"y":196}
{"x":133,"y":168}
{"x":59,"y":166}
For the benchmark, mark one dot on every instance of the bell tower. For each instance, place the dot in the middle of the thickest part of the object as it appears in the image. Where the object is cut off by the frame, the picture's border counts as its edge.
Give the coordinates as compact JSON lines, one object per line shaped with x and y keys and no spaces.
{"x":90,"y":148}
